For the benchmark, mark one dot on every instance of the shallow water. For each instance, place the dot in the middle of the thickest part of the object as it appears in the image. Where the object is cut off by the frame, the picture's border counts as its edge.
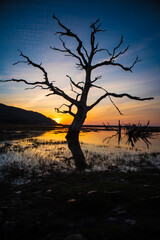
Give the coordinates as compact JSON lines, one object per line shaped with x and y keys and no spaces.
{"x":101,"y":149}
{"x":106,"y":138}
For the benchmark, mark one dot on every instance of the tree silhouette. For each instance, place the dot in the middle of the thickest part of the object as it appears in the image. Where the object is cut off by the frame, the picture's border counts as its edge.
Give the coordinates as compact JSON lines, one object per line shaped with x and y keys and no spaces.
{"x":81,"y":89}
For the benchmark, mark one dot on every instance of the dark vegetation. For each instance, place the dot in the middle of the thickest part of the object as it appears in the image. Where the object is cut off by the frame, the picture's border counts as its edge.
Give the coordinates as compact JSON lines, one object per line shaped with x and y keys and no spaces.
{"x":100,"y":206}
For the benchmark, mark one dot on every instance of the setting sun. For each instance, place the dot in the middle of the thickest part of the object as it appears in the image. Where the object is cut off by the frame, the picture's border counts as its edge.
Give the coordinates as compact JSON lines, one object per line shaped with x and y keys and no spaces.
{"x":58,"y":120}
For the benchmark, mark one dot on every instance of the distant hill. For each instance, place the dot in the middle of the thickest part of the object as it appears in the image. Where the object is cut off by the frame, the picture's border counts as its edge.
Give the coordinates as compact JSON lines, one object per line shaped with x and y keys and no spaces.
{"x":19,"y":116}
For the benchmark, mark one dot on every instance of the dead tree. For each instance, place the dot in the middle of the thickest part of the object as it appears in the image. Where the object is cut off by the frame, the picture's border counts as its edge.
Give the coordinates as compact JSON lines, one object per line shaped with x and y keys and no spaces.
{"x":84,"y":60}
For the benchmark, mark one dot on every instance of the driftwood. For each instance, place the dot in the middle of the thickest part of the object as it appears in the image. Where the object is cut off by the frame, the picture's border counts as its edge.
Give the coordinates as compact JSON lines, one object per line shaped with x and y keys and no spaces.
{"x":138,"y":132}
{"x":133,"y":132}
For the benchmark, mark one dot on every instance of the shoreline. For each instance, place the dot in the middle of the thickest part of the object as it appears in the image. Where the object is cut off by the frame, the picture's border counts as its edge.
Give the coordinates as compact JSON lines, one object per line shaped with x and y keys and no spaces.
{"x":5,"y":127}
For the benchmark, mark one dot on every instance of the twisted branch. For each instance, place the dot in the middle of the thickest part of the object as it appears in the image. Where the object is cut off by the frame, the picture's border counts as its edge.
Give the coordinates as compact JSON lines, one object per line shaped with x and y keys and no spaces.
{"x":67,"y":50}
{"x":95,"y":28}
{"x":36,"y":87}
{"x":50,"y":86}
{"x":114,"y":56}
{"x":96,"y":78}
{"x":106,"y":63}
{"x":65,"y":111}
{"x":92,"y":85}
{"x":75,"y":84}
{"x":117,"y":96}
{"x":73,"y":35}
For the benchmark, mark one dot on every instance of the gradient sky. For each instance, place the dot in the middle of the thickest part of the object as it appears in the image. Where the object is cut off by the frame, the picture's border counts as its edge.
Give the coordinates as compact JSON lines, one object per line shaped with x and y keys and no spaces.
{"x":28,"y":26}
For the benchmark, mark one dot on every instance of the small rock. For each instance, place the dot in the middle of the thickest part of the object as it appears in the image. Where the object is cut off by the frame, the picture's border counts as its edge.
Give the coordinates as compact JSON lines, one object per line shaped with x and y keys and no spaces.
{"x":72,"y":200}
{"x":123,"y":180}
{"x":91,"y":192}
{"x":122,"y":212}
{"x":112,"y":219}
{"x":130,"y":221}
{"x":119,"y":210}
{"x":18,"y":192}
{"x":76,"y":237}
{"x":49,"y":190}
{"x":155,"y":197}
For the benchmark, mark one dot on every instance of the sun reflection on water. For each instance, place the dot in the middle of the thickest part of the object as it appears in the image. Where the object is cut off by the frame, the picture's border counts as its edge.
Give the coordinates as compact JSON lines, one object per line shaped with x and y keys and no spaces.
{"x":51,"y":147}
{"x":95,"y":138}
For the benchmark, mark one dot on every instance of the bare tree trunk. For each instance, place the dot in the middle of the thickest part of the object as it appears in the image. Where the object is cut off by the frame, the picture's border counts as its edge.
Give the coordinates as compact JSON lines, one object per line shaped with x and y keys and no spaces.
{"x":73,"y":140}
{"x":119,"y":132}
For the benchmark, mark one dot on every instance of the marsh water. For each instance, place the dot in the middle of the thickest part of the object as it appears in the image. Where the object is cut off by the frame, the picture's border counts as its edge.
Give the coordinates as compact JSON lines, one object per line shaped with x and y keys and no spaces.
{"x":94,"y":138}
{"x":103,"y":150}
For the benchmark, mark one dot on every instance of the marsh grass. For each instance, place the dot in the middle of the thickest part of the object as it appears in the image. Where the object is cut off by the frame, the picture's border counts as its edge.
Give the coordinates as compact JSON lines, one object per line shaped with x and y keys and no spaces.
{"x":33,"y":159}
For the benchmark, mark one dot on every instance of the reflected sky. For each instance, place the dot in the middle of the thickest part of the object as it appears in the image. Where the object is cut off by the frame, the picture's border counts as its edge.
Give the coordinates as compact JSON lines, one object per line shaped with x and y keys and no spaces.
{"x":105,"y":138}
{"x":50,"y":149}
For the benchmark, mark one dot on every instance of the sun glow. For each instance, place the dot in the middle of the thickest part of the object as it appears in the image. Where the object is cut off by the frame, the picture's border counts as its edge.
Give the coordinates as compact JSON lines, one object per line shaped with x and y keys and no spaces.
{"x":58,"y":120}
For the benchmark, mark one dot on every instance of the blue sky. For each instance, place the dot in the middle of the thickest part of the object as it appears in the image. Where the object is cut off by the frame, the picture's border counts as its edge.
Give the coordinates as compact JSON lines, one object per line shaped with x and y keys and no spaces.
{"x":28,"y":26}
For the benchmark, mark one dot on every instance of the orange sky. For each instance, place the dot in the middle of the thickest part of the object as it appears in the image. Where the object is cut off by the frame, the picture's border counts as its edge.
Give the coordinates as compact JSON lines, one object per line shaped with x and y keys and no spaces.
{"x":104,"y":112}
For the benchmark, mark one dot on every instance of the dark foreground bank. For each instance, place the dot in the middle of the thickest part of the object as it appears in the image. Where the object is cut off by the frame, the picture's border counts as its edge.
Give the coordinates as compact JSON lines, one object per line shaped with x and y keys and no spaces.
{"x":99,"y":206}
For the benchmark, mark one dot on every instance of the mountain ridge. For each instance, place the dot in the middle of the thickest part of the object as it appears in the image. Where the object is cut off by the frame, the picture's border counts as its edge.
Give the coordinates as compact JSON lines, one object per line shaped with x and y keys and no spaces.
{"x":18,"y":116}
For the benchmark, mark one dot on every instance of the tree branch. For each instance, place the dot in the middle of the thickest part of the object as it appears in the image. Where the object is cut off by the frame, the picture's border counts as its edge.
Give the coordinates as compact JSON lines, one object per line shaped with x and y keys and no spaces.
{"x":96,"y":78}
{"x":75,"y":84}
{"x":22,"y":80}
{"x":114,"y":56}
{"x":105,"y":63}
{"x":64,"y":111}
{"x":55,"y":90}
{"x":95,"y":28}
{"x":39,"y":66}
{"x":117,"y":96}
{"x":51,"y":87}
{"x":92,"y":85}
{"x":36,"y":87}
{"x":103,"y":49}
{"x":115,"y":106}
{"x":120,"y":43}
{"x":73,"y":35}
{"x":120,"y":53}
{"x":67,"y":50}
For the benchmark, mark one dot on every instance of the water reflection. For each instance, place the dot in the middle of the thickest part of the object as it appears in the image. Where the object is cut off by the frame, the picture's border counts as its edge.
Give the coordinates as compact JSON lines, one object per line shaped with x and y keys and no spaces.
{"x":50,"y":149}
{"x":92,"y":137}
{"x":21,"y":134}
{"x":133,"y":134}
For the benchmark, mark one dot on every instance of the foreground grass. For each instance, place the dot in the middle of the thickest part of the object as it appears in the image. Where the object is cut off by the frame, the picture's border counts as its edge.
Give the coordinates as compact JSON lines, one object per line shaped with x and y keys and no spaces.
{"x":100,"y":206}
